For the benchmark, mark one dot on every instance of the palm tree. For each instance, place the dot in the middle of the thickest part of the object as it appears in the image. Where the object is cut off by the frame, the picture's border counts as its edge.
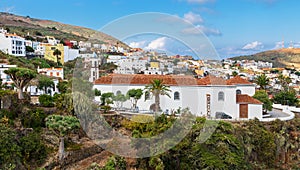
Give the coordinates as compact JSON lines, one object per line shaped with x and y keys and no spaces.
{"x":262,"y":80}
{"x":57,"y":53}
{"x":284,"y":81}
{"x":156,"y":88}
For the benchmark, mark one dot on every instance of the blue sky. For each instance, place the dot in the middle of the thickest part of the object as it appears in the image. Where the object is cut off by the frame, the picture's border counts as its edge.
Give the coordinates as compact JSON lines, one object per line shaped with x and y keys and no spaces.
{"x":235,"y":27}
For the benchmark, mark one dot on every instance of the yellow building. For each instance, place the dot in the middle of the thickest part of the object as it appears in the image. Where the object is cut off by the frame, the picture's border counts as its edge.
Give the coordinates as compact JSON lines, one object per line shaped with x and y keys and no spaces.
{"x":154,"y":64}
{"x":49,"y":49}
{"x":199,"y":72}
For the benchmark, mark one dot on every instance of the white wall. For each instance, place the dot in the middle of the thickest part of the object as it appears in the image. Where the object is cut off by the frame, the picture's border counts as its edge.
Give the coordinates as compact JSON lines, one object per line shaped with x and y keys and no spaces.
{"x":255,"y":111}
{"x":34,"y":91}
{"x":247,"y":89}
{"x":70,"y":54}
{"x":193,"y":97}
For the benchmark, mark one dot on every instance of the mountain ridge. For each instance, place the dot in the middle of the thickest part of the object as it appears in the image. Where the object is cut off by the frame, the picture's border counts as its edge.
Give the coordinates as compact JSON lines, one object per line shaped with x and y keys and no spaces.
{"x":285,"y":57}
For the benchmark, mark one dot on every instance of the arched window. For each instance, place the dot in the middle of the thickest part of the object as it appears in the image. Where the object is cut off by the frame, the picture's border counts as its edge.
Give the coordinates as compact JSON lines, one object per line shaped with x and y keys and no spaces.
{"x":221,"y":96}
{"x":238,"y":91}
{"x":176,"y":96}
{"x":147,"y":95}
{"x":118,"y":92}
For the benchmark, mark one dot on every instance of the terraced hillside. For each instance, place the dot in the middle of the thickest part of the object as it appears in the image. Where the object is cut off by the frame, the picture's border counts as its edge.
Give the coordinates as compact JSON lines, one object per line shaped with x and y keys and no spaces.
{"x":37,"y":27}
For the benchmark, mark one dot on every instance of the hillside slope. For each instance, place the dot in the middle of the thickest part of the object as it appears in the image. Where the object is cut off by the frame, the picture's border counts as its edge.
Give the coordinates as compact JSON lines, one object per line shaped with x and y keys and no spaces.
{"x":280,"y":58}
{"x":24,"y":25}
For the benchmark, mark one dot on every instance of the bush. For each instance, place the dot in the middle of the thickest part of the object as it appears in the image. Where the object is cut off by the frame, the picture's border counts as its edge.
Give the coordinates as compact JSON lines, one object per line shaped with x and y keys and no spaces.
{"x":34,"y":119}
{"x":105,"y":108}
{"x":9,"y":149}
{"x":46,"y":100}
{"x":33,"y":149}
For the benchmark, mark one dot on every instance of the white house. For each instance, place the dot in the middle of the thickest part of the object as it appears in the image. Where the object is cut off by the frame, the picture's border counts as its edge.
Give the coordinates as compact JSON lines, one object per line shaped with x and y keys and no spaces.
{"x":70,"y":54}
{"x":52,"y":72}
{"x":130,"y":66}
{"x":210,"y":96}
{"x":153,"y":70}
{"x":92,"y":64}
{"x":34,"y":91}
{"x":12,"y":44}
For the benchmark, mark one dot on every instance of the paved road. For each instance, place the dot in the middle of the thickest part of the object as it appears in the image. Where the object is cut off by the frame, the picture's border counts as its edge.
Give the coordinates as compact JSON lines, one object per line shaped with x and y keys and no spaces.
{"x":275,"y":113}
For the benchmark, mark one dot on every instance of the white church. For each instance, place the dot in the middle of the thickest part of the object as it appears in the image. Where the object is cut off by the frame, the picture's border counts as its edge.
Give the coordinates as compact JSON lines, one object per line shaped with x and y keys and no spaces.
{"x":210,"y":96}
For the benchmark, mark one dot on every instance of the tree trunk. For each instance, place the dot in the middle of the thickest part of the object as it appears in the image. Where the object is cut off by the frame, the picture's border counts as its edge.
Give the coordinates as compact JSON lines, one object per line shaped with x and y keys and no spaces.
{"x":61,"y":149}
{"x":57,"y":60}
{"x":20,"y":94}
{"x":157,"y":102}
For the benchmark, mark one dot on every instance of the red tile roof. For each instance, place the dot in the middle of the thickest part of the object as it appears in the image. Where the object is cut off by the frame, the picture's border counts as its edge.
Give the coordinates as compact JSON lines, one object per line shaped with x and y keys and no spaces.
{"x":237,"y":80}
{"x":141,"y":79}
{"x":244,"y":98}
{"x":174,"y":80}
{"x":211,"y":80}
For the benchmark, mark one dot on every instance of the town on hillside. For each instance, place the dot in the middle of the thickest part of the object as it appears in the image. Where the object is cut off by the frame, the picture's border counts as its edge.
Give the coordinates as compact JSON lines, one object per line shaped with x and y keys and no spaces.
{"x":251,"y":89}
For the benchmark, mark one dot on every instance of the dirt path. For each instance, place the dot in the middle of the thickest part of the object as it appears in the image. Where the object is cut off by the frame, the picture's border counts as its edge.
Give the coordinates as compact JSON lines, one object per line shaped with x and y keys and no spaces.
{"x":100,"y":159}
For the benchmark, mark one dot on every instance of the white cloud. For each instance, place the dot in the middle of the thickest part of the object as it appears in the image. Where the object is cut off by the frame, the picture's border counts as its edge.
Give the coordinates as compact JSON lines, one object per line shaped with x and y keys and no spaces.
{"x":199,"y":29}
{"x":158,"y":44}
{"x":279,"y":44}
{"x":296,"y":45}
{"x":139,"y":44}
{"x":193,"y":18}
{"x":8,"y":9}
{"x":256,"y":45}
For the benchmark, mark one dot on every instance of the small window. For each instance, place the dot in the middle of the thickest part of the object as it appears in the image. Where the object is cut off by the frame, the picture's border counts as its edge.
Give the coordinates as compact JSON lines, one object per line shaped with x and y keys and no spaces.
{"x":221,"y":96}
{"x":238,"y":91}
{"x":118,"y":92}
{"x":147,"y":95}
{"x":176,"y":96}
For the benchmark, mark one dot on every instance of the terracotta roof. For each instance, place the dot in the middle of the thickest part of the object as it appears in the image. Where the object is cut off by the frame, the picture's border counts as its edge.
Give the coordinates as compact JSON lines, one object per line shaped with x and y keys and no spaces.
{"x":237,"y":80}
{"x":173,"y":80}
{"x":141,"y":79}
{"x":211,"y":80}
{"x":244,"y":98}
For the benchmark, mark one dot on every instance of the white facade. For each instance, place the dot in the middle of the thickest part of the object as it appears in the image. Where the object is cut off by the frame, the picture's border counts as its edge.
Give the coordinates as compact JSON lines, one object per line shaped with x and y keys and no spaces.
{"x":153,"y":70}
{"x":12,"y":44}
{"x":88,"y":55}
{"x":52,"y":72}
{"x":93,"y":65}
{"x":70,"y":54}
{"x":130,"y":66}
{"x":34,"y":91}
{"x":202,"y":100}
{"x":51,"y":40}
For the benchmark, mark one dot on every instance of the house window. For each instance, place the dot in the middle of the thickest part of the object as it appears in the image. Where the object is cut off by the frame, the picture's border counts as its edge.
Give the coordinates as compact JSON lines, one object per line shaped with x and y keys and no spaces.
{"x":176,"y":96}
{"x":147,"y":95}
{"x":238,"y":91}
{"x":118,"y":92}
{"x":221,"y":96}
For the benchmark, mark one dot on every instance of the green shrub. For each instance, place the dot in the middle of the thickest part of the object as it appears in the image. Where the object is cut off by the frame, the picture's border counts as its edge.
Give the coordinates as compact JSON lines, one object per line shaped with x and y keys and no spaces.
{"x":33,"y":149}
{"x":105,"y":108}
{"x":9,"y":150}
{"x":34,"y":119}
{"x":46,"y":100}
